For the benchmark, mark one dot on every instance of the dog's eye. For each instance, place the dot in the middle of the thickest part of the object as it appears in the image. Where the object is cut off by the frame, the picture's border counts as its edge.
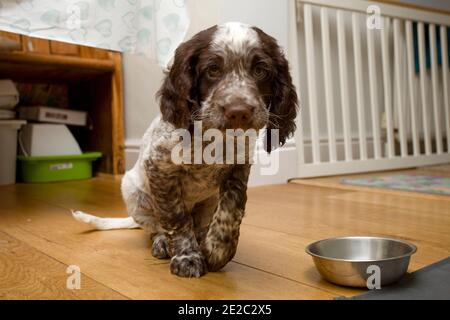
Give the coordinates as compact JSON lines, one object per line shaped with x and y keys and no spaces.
{"x":214,"y":71}
{"x":260,"y":71}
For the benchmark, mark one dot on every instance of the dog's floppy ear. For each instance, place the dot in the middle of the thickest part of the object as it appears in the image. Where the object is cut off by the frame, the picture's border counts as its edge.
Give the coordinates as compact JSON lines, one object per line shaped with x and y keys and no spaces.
{"x":284,"y":103}
{"x":283,"y":106}
{"x":178,"y":89}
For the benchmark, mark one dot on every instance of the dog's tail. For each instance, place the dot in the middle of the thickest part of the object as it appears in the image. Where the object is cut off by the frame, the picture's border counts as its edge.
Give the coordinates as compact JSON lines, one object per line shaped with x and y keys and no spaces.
{"x":105,"y":223}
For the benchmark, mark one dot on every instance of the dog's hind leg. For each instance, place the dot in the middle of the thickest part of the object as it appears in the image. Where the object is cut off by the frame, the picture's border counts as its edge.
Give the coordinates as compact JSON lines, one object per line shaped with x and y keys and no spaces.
{"x":139,"y":206}
{"x":99,"y":223}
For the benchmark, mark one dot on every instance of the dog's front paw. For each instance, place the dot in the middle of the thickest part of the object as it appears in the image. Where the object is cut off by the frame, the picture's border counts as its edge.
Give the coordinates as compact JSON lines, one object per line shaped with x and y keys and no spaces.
{"x":191,"y":265}
{"x":160,"y":247}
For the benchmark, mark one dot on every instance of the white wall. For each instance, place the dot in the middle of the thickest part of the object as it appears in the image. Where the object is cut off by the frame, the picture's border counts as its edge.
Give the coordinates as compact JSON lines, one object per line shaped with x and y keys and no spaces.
{"x":142,"y":77}
{"x":269,"y":15}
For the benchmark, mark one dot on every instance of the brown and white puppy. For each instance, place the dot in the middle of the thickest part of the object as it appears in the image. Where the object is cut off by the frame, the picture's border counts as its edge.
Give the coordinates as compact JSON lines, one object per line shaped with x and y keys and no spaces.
{"x":228,"y":76}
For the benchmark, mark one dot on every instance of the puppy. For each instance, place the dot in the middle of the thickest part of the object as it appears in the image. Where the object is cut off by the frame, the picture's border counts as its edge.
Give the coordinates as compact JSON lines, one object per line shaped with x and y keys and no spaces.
{"x":230,"y":76}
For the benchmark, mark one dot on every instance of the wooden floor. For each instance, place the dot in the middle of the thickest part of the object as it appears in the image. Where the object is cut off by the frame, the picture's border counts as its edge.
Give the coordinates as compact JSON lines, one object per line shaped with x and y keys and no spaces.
{"x":39,"y":240}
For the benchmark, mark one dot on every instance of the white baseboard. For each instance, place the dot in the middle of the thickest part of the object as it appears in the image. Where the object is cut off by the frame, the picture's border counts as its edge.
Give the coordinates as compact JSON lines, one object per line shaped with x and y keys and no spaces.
{"x":287,"y":159}
{"x":287,"y":163}
{"x":286,"y":168}
{"x":131,"y":152}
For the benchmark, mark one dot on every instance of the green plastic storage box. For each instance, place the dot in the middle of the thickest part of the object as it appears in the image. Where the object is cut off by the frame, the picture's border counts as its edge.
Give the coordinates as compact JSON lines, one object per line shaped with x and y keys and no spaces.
{"x":56,"y":168}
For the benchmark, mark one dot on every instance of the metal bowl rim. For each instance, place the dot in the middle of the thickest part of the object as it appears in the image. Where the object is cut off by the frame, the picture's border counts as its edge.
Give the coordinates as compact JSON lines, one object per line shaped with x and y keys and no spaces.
{"x":409,"y":244}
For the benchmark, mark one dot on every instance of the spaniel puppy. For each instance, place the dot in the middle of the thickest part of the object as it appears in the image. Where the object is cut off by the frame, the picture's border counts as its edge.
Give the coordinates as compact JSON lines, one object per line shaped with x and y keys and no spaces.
{"x":228,"y":76}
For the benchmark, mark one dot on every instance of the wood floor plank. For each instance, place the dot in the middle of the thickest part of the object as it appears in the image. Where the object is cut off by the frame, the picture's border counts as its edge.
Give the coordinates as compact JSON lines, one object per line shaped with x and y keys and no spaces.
{"x":436,"y":210}
{"x":284,"y":254}
{"x":99,"y":196}
{"x":153,"y":281}
{"x":120,"y":259}
{"x":29,"y":274}
{"x":317,"y":216}
{"x":270,"y":262}
{"x":56,"y":226}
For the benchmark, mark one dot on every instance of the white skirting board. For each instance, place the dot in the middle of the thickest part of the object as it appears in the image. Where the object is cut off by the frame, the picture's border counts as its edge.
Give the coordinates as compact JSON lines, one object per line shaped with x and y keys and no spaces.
{"x":287,"y":168}
{"x":288,"y":161}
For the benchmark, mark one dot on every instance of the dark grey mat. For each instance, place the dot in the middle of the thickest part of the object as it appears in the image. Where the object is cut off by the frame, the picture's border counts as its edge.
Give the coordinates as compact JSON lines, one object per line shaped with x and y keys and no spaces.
{"x":429,"y":283}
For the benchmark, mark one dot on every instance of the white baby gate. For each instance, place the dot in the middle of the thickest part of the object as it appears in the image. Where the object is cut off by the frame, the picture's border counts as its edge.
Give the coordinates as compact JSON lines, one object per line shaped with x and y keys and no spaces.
{"x":371,"y":99}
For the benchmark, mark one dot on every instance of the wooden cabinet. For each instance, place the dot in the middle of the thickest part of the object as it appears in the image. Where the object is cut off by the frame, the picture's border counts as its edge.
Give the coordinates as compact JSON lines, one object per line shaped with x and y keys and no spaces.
{"x":94,"y":80}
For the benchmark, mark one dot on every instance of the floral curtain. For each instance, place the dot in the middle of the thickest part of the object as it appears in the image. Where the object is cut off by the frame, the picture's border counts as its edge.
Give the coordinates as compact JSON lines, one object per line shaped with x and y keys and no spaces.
{"x":153,"y":28}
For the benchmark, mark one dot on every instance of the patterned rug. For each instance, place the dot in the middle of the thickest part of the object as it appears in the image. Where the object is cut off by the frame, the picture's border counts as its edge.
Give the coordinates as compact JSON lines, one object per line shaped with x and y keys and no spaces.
{"x":406,"y":182}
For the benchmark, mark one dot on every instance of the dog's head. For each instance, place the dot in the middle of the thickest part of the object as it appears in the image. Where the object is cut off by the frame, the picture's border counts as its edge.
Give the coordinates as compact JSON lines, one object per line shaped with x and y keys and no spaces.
{"x":230,"y":76}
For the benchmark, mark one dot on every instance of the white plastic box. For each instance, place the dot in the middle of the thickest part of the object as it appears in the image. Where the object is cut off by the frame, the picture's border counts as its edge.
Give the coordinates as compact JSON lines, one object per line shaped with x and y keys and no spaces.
{"x":41,"y":139}
{"x":53,"y":115}
{"x":8,"y":150}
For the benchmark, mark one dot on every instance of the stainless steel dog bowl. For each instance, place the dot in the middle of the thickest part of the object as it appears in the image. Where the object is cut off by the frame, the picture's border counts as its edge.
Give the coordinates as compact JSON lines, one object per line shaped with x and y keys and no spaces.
{"x":345,"y":260}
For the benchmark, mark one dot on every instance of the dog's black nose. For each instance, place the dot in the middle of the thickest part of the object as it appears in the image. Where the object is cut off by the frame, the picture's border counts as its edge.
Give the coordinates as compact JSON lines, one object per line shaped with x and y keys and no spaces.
{"x":239,"y":115}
